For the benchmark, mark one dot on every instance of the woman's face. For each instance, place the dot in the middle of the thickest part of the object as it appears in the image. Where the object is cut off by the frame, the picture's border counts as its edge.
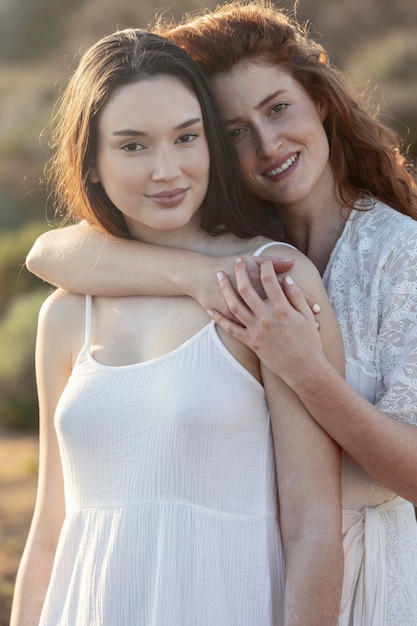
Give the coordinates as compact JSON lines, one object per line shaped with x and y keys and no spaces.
{"x":152,"y":157}
{"x":277,"y":132}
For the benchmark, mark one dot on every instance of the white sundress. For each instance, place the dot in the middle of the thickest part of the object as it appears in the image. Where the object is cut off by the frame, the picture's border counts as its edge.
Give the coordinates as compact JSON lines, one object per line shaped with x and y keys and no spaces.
{"x":171,"y":495}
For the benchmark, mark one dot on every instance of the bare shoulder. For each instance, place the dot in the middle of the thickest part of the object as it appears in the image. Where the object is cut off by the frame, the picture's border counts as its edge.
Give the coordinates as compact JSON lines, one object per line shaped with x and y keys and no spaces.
{"x":229,"y":244}
{"x":302,"y":264}
{"x":304,"y":272}
{"x":61,"y":326}
{"x":61,"y":308}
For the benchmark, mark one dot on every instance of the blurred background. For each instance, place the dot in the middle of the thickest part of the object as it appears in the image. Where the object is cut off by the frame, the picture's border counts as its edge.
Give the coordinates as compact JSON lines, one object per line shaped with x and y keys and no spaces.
{"x":374,"y":41}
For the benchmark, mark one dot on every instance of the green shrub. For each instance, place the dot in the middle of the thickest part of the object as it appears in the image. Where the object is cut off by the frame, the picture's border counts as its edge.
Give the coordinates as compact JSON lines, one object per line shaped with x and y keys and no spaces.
{"x":18,"y":400}
{"x":15,"y":279}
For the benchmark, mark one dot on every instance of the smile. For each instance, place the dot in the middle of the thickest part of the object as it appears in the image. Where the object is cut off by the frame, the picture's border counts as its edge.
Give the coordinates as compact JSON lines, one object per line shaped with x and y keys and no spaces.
{"x":283,"y":167}
{"x":170,"y":198}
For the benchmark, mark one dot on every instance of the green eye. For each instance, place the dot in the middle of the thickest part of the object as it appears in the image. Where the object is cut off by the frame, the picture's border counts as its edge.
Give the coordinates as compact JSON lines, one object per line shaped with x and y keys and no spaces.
{"x":237,"y":132}
{"x":277,"y":108}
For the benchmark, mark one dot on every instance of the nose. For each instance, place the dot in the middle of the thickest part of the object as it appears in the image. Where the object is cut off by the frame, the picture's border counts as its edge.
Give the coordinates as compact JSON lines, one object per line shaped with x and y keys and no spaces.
{"x":267,"y":142}
{"x":166,"y":166}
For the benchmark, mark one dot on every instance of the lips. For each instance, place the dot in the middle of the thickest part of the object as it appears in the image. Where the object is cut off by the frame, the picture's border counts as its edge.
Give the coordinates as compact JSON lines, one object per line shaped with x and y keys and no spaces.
{"x":282,"y":168}
{"x":169,"y":198}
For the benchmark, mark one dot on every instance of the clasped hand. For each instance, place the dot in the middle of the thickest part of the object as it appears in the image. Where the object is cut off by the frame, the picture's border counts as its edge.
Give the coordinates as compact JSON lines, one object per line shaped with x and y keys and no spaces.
{"x":266,"y":313}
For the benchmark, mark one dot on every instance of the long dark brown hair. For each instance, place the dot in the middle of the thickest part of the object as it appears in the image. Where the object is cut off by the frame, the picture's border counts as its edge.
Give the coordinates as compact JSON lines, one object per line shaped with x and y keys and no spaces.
{"x":121,"y":58}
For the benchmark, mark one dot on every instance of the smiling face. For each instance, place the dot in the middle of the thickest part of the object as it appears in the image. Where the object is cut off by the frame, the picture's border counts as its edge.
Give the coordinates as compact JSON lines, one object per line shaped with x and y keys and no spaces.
{"x":277,"y":132}
{"x":152,"y":157}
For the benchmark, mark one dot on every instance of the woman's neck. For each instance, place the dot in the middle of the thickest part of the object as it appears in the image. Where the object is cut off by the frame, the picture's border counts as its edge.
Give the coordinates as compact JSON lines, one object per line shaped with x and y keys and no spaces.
{"x":315,"y":230}
{"x":188,"y":236}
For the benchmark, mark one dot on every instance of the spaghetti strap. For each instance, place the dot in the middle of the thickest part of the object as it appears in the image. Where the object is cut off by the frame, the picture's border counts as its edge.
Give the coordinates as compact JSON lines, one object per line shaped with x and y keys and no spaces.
{"x":88,"y":309}
{"x":272,"y":243}
{"x":85,"y":350}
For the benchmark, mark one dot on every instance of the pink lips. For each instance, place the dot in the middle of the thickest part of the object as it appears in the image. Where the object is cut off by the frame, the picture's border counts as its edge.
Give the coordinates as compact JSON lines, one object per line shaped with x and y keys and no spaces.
{"x":169,"y":198}
{"x":283,"y":166}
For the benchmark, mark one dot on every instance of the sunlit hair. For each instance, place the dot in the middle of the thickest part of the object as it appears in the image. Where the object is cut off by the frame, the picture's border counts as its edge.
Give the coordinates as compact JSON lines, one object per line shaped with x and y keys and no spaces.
{"x":119,"y":59}
{"x":365,"y":155}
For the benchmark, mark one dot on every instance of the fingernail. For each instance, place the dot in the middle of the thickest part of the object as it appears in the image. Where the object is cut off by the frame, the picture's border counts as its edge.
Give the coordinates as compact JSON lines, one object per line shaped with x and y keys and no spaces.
{"x":210,"y":313}
{"x":316,"y":308}
{"x":220,"y":275}
{"x":238,"y":260}
{"x":289,"y":280}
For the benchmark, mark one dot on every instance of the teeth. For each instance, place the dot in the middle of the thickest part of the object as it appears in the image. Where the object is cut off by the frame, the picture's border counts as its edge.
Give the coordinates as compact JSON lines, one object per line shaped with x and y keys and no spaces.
{"x":283,"y":167}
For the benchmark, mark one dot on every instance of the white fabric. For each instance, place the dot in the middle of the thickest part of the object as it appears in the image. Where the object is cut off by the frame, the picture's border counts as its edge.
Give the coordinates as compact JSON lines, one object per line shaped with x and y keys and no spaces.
{"x":371,"y":280}
{"x":272,"y":243}
{"x":170,"y":494}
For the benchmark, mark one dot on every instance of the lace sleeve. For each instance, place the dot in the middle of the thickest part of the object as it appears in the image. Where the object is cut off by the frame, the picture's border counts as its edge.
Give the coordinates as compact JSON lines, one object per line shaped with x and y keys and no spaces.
{"x":397,"y":337}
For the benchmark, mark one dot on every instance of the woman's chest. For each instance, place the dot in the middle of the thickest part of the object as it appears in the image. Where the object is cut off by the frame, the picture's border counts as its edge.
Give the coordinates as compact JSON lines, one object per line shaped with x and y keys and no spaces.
{"x":131,"y":330}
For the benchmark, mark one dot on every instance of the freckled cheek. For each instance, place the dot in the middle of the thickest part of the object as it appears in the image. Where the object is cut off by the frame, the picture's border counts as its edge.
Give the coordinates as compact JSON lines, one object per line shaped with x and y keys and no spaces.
{"x":246,"y":158}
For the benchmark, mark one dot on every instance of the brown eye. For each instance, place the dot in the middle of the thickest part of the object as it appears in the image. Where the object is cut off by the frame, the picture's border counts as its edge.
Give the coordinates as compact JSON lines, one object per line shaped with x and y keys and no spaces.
{"x":187,"y":138}
{"x":132,"y":146}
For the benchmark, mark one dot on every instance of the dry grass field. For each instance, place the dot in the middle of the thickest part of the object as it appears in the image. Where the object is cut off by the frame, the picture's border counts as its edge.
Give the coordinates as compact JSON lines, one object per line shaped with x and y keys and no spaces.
{"x":18,"y":477}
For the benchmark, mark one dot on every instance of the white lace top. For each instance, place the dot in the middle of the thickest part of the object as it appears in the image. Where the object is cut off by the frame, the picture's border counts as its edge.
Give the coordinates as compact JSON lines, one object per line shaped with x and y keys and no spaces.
{"x":371,"y":280}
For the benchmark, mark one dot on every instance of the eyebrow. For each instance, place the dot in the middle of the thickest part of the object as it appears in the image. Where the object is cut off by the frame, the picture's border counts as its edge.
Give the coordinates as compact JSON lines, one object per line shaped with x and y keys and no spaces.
{"x":260,"y":104}
{"x":130,"y":132}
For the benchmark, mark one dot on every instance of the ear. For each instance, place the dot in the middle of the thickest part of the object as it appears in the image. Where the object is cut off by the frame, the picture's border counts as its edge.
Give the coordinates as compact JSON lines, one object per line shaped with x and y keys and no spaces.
{"x":322,"y":110}
{"x":93,"y":176}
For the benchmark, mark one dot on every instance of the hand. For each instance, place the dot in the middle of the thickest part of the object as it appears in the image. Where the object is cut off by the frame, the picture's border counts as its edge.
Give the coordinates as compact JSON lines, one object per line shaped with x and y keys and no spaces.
{"x":281,"y":329}
{"x":253,"y":269}
{"x":205,"y":289}
{"x":253,"y":265}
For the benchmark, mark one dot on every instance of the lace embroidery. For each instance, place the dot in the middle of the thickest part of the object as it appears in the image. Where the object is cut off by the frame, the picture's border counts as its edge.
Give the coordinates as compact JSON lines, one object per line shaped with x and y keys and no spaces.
{"x":379,"y":493}
{"x":371,"y":280}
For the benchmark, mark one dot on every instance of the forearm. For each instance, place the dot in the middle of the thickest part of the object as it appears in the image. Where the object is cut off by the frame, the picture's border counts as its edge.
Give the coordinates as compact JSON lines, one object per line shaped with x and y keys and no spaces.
{"x":313,"y":577}
{"x":385,"y":448}
{"x":31,"y":586}
{"x":83,"y":260}
{"x":308,"y":465}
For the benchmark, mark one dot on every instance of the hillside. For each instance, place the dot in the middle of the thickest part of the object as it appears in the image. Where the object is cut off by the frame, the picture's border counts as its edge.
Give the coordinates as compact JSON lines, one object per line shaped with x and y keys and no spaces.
{"x":39,"y":40}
